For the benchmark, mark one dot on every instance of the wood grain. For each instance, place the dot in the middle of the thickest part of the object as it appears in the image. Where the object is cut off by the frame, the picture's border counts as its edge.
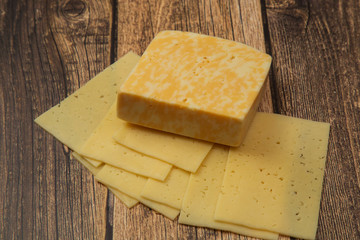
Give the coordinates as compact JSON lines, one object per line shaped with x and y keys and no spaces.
{"x":49,"y":49}
{"x":316,"y":52}
{"x":137,"y":24}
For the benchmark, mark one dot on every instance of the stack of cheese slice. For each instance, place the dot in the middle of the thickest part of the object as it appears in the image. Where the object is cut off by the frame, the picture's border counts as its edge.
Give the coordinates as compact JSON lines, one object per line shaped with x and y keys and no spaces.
{"x":270,"y":185}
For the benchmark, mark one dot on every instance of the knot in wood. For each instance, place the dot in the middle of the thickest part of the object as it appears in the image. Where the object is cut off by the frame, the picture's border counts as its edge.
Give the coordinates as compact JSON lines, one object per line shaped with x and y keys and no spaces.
{"x":73,"y":8}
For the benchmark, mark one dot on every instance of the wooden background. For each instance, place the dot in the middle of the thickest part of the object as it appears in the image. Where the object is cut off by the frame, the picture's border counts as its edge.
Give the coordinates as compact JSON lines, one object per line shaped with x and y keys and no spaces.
{"x":50,"y":48}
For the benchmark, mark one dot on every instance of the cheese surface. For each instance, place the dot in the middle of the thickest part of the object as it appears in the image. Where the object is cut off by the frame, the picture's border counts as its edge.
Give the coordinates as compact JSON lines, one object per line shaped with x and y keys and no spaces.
{"x":169,"y":192}
{"x":93,"y":162}
{"x":125,"y":199}
{"x":182,"y":152}
{"x":101,"y":146}
{"x":273,"y":181}
{"x":132,"y":185}
{"x":85,"y":163}
{"x":74,"y":119}
{"x":195,"y":85}
{"x":128,"y":201}
{"x":204,"y":187}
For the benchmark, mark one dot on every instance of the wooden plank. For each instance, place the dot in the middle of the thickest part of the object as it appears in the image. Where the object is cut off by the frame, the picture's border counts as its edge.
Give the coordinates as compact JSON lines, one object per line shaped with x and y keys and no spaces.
{"x":137,"y":24}
{"x":49,"y":49}
{"x":316,"y":50}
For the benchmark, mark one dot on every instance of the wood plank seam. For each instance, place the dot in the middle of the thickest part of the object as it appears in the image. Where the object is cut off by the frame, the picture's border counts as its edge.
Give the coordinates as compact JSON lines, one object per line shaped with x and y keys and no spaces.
{"x":272,"y":79}
{"x":114,"y":32}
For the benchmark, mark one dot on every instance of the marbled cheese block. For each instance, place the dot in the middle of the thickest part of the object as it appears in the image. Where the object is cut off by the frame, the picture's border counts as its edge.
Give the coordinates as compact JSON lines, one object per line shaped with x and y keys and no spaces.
{"x":195,"y":85}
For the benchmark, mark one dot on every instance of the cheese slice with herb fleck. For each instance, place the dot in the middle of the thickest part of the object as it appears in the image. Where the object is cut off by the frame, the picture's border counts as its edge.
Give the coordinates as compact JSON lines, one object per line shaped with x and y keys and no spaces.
{"x":274,"y":180}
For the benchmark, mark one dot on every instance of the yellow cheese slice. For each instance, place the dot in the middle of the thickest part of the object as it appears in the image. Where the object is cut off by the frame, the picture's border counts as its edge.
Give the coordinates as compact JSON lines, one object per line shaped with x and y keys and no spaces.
{"x":274,"y":180}
{"x":93,"y":162}
{"x":194,"y":85}
{"x":85,"y":163}
{"x":74,"y":119}
{"x":169,"y":192}
{"x":101,"y":146}
{"x":202,"y":193}
{"x":182,"y":152}
{"x":132,"y":185}
{"x":128,"y":201}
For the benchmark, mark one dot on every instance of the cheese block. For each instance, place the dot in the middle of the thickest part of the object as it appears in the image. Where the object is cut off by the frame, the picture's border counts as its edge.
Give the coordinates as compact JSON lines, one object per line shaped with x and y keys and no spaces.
{"x":202,"y":193}
{"x":274,"y":180}
{"x":169,"y":192}
{"x":76,"y":117}
{"x":182,"y":152}
{"x":101,"y":146}
{"x":195,"y":85}
{"x":128,"y":201}
{"x":132,"y":185}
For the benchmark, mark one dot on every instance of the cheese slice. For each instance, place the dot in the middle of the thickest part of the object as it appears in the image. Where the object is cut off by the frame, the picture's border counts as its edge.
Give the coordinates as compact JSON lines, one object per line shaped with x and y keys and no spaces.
{"x":74,"y":119}
{"x":182,"y":152}
{"x":93,"y":162}
{"x":169,"y":192}
{"x":194,"y":85}
{"x":101,"y":146}
{"x":202,"y":193}
{"x":125,"y":199}
{"x":128,"y":201}
{"x":85,"y":163}
{"x":132,"y":185}
{"x":274,"y":180}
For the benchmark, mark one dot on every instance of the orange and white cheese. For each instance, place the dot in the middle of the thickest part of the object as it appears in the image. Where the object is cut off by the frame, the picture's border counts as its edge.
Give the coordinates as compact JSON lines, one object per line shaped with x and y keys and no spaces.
{"x":194,"y":85}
